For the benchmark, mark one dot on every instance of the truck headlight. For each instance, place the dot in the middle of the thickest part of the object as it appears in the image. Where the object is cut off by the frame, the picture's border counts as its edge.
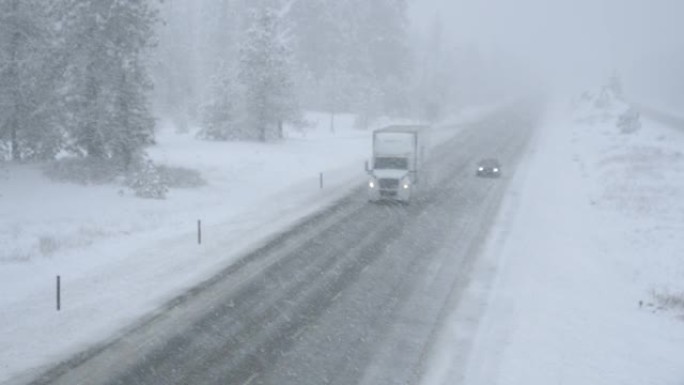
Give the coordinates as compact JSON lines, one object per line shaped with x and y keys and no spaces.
{"x":496,"y":170}
{"x":371,"y":184}
{"x":406,"y":183}
{"x":481,"y":169}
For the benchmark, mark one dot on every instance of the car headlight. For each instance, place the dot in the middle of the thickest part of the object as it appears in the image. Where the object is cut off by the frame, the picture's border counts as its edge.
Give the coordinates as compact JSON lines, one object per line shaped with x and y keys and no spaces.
{"x":406,"y":182}
{"x":481,"y":169}
{"x":496,"y":169}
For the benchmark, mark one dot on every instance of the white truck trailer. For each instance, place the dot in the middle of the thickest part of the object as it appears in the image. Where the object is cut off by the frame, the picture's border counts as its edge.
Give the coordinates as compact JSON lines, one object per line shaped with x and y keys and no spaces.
{"x":396,"y":170}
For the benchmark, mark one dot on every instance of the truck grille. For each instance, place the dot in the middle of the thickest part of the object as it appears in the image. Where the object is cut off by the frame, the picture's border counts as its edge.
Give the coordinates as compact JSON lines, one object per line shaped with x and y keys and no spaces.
{"x":389,"y":183}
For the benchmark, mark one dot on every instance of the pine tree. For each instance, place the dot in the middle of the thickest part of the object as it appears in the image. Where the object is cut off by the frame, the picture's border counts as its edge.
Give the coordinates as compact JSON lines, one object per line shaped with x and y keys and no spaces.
{"x":28,"y":81}
{"x":390,"y":61}
{"x":220,"y":116}
{"x":264,"y":74}
{"x":435,"y":78}
{"x":175,"y":65}
{"x":615,"y":85}
{"x":107,"y":79}
{"x":323,"y":34}
{"x":357,"y":55}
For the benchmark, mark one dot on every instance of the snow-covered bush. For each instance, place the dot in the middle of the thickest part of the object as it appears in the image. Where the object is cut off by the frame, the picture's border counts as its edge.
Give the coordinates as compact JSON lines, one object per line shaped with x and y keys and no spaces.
{"x":179,"y":177}
{"x":629,"y":122}
{"x":669,"y":301}
{"x":605,"y":99}
{"x":146,"y":180}
{"x":48,"y":245}
{"x":603,"y":106}
{"x":82,"y":170}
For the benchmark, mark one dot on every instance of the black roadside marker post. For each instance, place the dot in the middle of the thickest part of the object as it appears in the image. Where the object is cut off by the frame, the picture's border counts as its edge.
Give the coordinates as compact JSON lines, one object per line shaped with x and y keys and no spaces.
{"x":199,"y":232}
{"x":59,"y":294}
{"x":321,"y":180}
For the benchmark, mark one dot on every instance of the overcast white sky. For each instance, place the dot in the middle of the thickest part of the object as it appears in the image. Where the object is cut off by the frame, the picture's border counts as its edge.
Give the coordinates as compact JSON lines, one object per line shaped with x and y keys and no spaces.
{"x":575,"y":41}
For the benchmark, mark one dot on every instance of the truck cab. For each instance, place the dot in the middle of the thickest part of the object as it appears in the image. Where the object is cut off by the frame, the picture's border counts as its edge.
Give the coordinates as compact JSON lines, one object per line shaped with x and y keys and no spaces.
{"x":396,"y":165}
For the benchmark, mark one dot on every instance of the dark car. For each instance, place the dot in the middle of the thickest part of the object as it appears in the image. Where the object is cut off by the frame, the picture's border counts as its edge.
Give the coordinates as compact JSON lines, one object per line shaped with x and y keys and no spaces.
{"x":489,"y":167}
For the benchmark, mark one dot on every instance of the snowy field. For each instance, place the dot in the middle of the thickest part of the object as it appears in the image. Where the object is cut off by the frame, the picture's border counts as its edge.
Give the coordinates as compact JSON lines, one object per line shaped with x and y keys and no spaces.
{"x":583,"y":278}
{"x":121,"y":257}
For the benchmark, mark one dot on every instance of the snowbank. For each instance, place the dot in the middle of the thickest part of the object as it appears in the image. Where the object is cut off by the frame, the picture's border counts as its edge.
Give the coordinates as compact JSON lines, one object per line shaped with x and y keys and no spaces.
{"x":580,"y":281}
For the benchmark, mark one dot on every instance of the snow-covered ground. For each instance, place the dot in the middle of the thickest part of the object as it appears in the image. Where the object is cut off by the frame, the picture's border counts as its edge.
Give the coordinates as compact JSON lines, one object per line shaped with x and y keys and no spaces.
{"x":121,"y":257}
{"x":582,"y":281}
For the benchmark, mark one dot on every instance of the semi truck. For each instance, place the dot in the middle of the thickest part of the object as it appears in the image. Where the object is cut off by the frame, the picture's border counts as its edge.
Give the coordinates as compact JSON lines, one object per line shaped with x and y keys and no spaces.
{"x":396,"y":168}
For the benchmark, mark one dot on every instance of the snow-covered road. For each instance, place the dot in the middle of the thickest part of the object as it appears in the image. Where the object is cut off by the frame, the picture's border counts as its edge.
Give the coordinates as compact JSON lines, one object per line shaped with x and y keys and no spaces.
{"x":351,"y":296}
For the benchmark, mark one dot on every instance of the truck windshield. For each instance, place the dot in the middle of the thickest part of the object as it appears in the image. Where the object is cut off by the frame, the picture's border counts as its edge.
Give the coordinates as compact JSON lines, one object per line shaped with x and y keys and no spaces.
{"x":391,"y":164}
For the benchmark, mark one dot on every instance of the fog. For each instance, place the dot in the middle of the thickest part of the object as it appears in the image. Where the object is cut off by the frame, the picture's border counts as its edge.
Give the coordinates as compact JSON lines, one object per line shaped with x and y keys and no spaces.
{"x":242,"y":69}
{"x":574,"y":44}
